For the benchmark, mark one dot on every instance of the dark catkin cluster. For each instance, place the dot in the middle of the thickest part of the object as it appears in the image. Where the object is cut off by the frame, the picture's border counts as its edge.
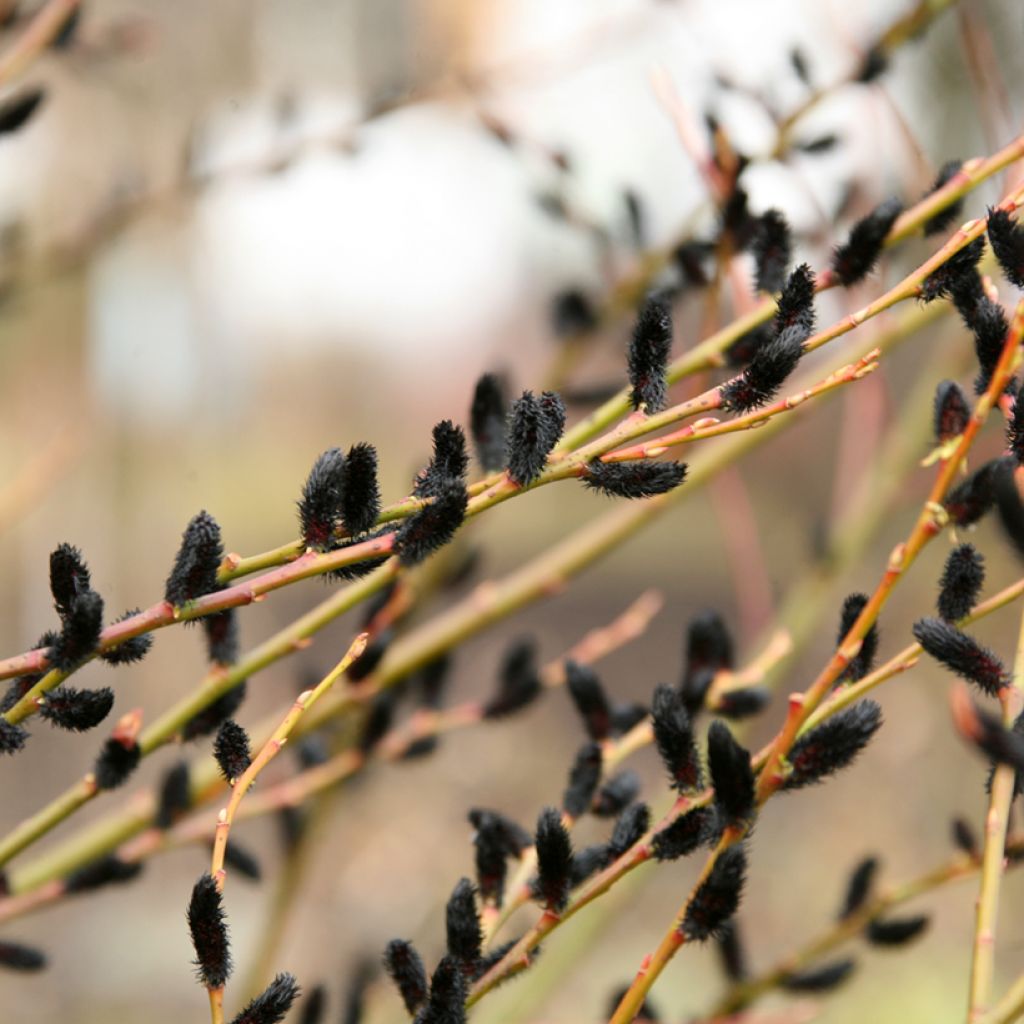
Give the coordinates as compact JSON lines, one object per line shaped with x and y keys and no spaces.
{"x":487,"y":417}
{"x":133,"y":649}
{"x":707,"y":650}
{"x":1015,"y":429}
{"x":341,"y":491}
{"x":731,"y":775}
{"x":972,"y":498}
{"x":772,"y":249}
{"x":464,"y":934}
{"x":985,"y":319}
{"x":833,"y":745}
{"x":205,"y":722}
{"x":583,"y":780}
{"x":554,"y":860}
{"x":17,"y":957}
{"x":69,"y":578}
{"x":534,"y":427}
{"x":945,"y":219}
{"x":640,"y":479}
{"x":952,"y":411}
{"x":862,"y":662}
{"x":896,"y":931}
{"x":767,"y":371}
{"x":962,"y":578}
{"x":231,"y":749}
{"x":12,"y":737}
{"x":718,"y":897}
{"x":446,"y":1001}
{"x":194,"y":572}
{"x":272,"y":1005}
{"x":450,"y":460}
{"x":434,"y":525}
{"x":589,"y":697}
{"x":209,"y":930}
{"x":647,"y":359}
{"x":856,"y":257}
{"x":962,"y":654}
{"x":518,"y":680}
{"x":17,"y":110}
{"x":118,"y":758}
{"x":744,"y":702}
{"x":858,"y":887}
{"x":1007,"y":238}
{"x":80,"y":632}
{"x":796,"y":303}
{"x":77,"y":710}
{"x":104,"y":871}
{"x":496,"y":838}
{"x":673,"y":736}
{"x":955,"y":273}
{"x":825,"y":978}
{"x":175,"y":796}
{"x":404,"y":967}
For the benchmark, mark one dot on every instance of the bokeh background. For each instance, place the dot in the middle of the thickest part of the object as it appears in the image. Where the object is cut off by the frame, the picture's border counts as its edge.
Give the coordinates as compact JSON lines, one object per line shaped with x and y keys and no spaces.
{"x":236,"y":234}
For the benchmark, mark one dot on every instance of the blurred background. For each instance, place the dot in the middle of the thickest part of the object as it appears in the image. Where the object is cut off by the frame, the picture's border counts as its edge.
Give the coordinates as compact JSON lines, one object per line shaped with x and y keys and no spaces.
{"x":233,"y":235}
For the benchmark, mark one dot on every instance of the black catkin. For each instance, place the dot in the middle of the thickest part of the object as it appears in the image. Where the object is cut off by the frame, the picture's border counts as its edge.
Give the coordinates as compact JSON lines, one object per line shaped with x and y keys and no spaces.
{"x":69,"y":578}
{"x":718,"y":897}
{"x":825,"y":978}
{"x":616,"y":794}
{"x":104,"y":871}
{"x":320,"y":504}
{"x":964,"y":838}
{"x":583,"y":780}
{"x":17,"y":110}
{"x":772,"y":248}
{"x":175,"y":796}
{"x":589,"y":697}
{"x":518,"y":680}
{"x":952,"y":411}
{"x":818,"y":144}
{"x":572,"y":313}
{"x":490,"y":858}
{"x":647,"y":360}
{"x":639,"y":479}
{"x":462,"y":925}
{"x":708,"y":649}
{"x":133,"y":649}
{"x":986,"y":320}
{"x":627,"y":716}
{"x":359,"y":498}
{"x":528,"y":439}
{"x":857,"y":256}
{"x":771,"y":364}
{"x":858,"y":888}
{"x":313,"y":1007}
{"x":272,"y":1004}
{"x":731,"y":775}
{"x":948,"y":279}
{"x":999,"y":744}
{"x":861,"y":663}
{"x":630,"y":828}
{"x":1015,"y":429}
{"x":833,"y":745}
{"x":742,"y":703}
{"x":731,"y":953}
{"x":897,"y":931}
{"x":554,"y":860}
{"x":1007,"y":238}
{"x":673,"y":735}
{"x":209,"y":931}
{"x":12,"y":737}
{"x":116,"y":762}
{"x":221,"y":633}
{"x":16,"y":957}
{"x":588,"y":862}
{"x":450,"y":459}
{"x":796,"y":303}
{"x":240,"y":859}
{"x":403,"y":966}
{"x":204,"y":722}
{"x":962,"y":654}
{"x":1010,"y":511}
{"x":446,"y":1003}
{"x":970,"y":500}
{"x":487,"y":416}
{"x":77,"y":710}
{"x":635,"y":215}
{"x":961,"y":582}
{"x":683,"y":836}
{"x":945,"y":219}
{"x":378,"y":721}
{"x":433,"y":526}
{"x":513,"y":837}
{"x":81,"y":631}
{"x":231,"y":749}
{"x":195,"y":566}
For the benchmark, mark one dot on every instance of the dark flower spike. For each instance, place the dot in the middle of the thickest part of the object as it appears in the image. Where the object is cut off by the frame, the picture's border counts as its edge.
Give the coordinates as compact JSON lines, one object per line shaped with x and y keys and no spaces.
{"x":590,"y":700}
{"x":876,"y":63}
{"x":490,"y":856}
{"x":195,"y":565}
{"x":857,"y":256}
{"x":209,"y":933}
{"x":175,"y":796}
{"x":833,"y":745}
{"x":272,"y":1004}
{"x":313,"y":1006}
{"x":627,"y":716}
{"x":718,"y":897}
{"x":964,"y":838}
{"x":81,"y":632}
{"x":819,"y":144}
{"x":796,"y":303}
{"x":647,"y":359}
{"x":629,"y":829}
{"x":76,"y":710}
{"x":673,"y":735}
{"x":731,"y":954}
{"x":897,"y":931}
{"x":120,"y":755}
{"x":221,"y":631}
{"x":961,"y":654}
{"x":69,"y":578}
{"x":134,"y":648}
{"x":202,"y":723}
{"x":588,"y":862}
{"x":742,"y":703}
{"x":731,"y":775}
{"x":320,"y":504}
{"x":858,"y":888}
{"x":518,"y":680}
{"x":240,"y":859}
{"x":572,"y":313}
{"x":985,"y":319}
{"x":1007,"y":238}
{"x":354,"y":995}
{"x":433,"y":526}
{"x":528,"y":439}
{"x":103,"y":871}
{"x":487,"y":422}
{"x":554,"y":860}
{"x":359,"y":499}
{"x":12,"y":737}
{"x":497,"y":954}
{"x":462,"y":924}
{"x":583,"y":780}
{"x":945,"y":281}
{"x":989,"y":735}
{"x":742,"y":350}
{"x":635,"y":215}
{"x":16,"y":957}
{"x":231,"y":749}
{"x":1015,"y":428}
{"x":945,"y":219}
{"x":708,"y":650}
{"x":684,"y":835}
{"x":403,"y":966}
{"x":616,"y":794}
{"x":1010,"y":511}
{"x":972,"y":498}
{"x":772,"y":248}
{"x":17,"y":110}
{"x":450,"y":459}
{"x":639,"y":479}
{"x":861,"y":664}
{"x":962,"y":579}
{"x":514,"y":837}
{"x":378,"y":721}
{"x":446,"y":1003}
{"x":772,"y":363}
{"x":819,"y":979}
{"x":952,"y":411}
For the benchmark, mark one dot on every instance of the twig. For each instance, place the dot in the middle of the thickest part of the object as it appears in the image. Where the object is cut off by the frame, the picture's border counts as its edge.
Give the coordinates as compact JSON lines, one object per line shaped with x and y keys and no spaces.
{"x":42,"y":30}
